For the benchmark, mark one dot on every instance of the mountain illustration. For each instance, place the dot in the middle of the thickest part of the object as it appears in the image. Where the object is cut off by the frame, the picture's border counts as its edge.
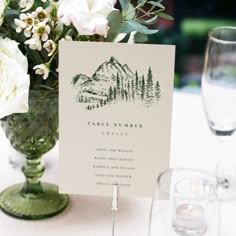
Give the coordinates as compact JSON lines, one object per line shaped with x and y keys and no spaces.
{"x":113,"y":82}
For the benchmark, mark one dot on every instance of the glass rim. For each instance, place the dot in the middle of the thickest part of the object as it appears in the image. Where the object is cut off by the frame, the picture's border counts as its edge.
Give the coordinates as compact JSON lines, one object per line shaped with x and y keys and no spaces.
{"x":180,"y":195}
{"x":218,"y":40}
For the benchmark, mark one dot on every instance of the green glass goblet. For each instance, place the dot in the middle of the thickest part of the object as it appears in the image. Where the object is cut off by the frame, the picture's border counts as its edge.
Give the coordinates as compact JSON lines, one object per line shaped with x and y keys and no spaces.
{"x":33,"y":134}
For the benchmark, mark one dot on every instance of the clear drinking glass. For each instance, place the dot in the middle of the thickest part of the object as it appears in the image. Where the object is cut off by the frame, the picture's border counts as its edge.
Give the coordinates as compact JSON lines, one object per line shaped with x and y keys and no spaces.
{"x":184,"y":203}
{"x":219,"y":81}
{"x":219,"y":99}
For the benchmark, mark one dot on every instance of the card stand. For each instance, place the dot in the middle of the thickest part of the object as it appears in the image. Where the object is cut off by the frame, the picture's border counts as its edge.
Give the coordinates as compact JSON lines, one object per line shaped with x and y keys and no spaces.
{"x":114,"y":206}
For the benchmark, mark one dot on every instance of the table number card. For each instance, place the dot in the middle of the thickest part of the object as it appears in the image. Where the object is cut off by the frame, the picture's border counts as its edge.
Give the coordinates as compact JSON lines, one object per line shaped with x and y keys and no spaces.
{"x":115,"y":116}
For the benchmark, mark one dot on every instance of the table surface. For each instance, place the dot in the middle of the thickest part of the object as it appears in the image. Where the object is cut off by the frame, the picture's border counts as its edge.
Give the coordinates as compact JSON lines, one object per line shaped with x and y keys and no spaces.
{"x":192,"y":146}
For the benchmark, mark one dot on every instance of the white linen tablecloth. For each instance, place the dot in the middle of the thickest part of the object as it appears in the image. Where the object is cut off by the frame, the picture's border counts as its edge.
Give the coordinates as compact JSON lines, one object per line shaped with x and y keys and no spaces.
{"x":193,"y":146}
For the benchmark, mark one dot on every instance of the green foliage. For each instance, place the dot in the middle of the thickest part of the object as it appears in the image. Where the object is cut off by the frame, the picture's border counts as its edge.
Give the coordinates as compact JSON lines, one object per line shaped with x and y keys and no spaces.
{"x":141,"y":2}
{"x":58,"y":30}
{"x":140,"y":38}
{"x":156,"y":4}
{"x":34,"y":56}
{"x":126,"y":28}
{"x":142,"y":15}
{"x":138,"y":17}
{"x":130,"y":13}
{"x":124,"y":4}
{"x":10,"y":15}
{"x":115,"y":21}
{"x":150,"y":21}
{"x":141,"y":28}
{"x":13,"y":4}
{"x":165,"y":16}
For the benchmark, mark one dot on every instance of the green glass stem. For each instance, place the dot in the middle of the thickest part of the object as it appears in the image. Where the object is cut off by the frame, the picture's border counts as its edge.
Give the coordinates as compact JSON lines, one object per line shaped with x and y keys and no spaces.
{"x":33,"y":171}
{"x":33,"y":134}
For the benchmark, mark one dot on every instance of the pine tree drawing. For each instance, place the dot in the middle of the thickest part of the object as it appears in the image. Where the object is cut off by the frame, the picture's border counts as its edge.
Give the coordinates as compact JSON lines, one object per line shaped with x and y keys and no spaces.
{"x":122,"y":89}
{"x":126,"y":95}
{"x":133,"y":90}
{"x":128,"y":88}
{"x":112,"y":83}
{"x":149,"y":93}
{"x":157,"y":91}
{"x":143,"y":88}
{"x":118,"y":89}
{"x":136,"y":82}
{"x":110,"y":96}
{"x":115,"y":93}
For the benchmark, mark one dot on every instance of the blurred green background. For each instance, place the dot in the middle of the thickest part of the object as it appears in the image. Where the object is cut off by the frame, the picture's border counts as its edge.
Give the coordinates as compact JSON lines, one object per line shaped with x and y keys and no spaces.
{"x":189,"y":30}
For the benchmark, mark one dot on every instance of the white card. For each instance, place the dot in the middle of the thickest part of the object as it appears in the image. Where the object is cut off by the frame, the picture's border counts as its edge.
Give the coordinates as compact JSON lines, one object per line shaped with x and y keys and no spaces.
{"x":115,"y":116}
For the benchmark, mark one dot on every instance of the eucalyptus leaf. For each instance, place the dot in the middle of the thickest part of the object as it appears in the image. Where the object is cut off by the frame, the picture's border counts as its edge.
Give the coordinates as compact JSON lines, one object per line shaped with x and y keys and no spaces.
{"x":124,"y":4}
{"x":165,"y":16}
{"x":119,"y":37}
{"x":115,"y":21}
{"x":150,"y":21}
{"x":131,"y":13}
{"x":141,"y":2}
{"x":126,"y":28}
{"x":156,"y":4}
{"x":141,"y":28}
{"x":140,"y":38}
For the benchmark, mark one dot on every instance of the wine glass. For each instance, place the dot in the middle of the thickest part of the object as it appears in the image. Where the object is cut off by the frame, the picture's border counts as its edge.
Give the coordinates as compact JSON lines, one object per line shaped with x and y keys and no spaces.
{"x":219,"y":96}
{"x":219,"y":99}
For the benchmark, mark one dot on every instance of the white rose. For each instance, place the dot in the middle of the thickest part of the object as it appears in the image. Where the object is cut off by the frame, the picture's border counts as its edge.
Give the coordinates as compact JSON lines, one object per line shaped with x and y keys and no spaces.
{"x":3,"y":4}
{"x":88,"y":16}
{"x":14,"y":80}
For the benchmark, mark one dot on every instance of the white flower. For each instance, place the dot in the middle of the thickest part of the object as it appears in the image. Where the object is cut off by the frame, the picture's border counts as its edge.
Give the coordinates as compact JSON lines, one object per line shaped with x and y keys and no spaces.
{"x":41,"y":15}
{"x":14,"y":80}
{"x":26,"y":4}
{"x":88,"y":16}
{"x":50,"y":47}
{"x":26,"y":23}
{"x":41,"y":31}
{"x":67,"y":38}
{"x":34,"y":44}
{"x":42,"y":69}
{"x":3,"y":4}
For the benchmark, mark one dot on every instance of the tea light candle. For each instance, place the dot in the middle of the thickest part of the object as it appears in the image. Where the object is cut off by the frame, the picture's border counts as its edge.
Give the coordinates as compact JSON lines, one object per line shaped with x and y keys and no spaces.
{"x":189,"y":217}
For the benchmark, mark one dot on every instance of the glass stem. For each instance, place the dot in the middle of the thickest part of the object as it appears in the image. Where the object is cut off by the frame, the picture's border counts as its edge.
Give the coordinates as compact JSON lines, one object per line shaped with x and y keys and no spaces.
{"x":219,"y":218}
{"x":33,"y":171}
